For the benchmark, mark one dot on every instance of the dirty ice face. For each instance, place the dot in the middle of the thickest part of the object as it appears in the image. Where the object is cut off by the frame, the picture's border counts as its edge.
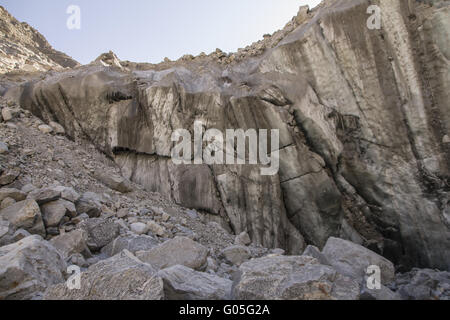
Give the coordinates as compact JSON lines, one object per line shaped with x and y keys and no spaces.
{"x":213,"y":147}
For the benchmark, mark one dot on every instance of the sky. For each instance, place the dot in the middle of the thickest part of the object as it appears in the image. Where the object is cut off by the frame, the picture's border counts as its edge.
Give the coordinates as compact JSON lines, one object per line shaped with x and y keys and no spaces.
{"x":149,"y":30}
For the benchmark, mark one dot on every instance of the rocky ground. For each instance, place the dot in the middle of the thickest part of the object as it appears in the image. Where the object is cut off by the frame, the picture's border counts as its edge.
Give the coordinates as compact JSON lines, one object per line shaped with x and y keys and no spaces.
{"x":63,"y":203}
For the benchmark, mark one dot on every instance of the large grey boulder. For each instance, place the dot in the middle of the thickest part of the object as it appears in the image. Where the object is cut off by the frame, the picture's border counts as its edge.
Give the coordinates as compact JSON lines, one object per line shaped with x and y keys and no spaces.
{"x":183,"y":283}
{"x":236,"y":254}
{"x":28,"y":267}
{"x":7,"y":202}
{"x":113,"y":181}
{"x":122,"y":277}
{"x":8,"y":176}
{"x":68,"y":193}
{"x":71,"y":243}
{"x":54,"y":212}
{"x":424,"y":284}
{"x":178,"y":251}
{"x":25,"y":214}
{"x":291,"y":278}
{"x":44,"y":195}
{"x":139,"y":228}
{"x":353,"y":260}
{"x":100,"y":232}
{"x":12,"y":193}
{"x":9,"y":234}
{"x":89,"y":203}
{"x":132,"y":243}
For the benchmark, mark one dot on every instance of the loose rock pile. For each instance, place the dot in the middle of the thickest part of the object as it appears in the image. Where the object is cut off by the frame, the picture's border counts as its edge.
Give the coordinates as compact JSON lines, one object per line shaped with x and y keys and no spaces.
{"x":131,"y":248}
{"x":131,"y":244}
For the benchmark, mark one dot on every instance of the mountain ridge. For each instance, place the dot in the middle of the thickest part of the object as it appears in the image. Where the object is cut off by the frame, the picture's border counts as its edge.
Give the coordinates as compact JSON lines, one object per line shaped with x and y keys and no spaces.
{"x":23,"y":48}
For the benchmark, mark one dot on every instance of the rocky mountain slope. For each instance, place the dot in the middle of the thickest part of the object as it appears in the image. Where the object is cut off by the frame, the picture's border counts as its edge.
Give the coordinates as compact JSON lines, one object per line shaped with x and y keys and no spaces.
{"x":63,"y":203}
{"x":23,"y":48}
{"x":364,"y":165}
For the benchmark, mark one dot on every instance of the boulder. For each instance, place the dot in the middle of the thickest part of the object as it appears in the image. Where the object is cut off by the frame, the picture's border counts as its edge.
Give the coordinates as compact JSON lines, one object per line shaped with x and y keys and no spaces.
{"x":44,"y":195}
{"x":90,"y":204}
{"x":68,"y":194}
{"x":54,"y":212}
{"x":183,"y":283}
{"x":424,"y":284}
{"x":291,"y":278}
{"x":100,"y":232}
{"x":178,"y":251}
{"x":9,"y":234}
{"x":113,"y":181}
{"x":71,"y":210}
{"x":122,"y":277}
{"x":71,"y":243}
{"x":7,"y":202}
{"x":8,"y":177}
{"x":139,"y":228}
{"x":28,"y":267}
{"x":236,"y":254}
{"x":132,"y":243}
{"x":353,"y":260}
{"x":25,"y":214}
{"x":15,"y":194}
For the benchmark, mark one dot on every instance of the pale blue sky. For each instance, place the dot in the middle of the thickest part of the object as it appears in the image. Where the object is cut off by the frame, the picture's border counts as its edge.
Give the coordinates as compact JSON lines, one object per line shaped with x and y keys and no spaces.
{"x":149,"y":30}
